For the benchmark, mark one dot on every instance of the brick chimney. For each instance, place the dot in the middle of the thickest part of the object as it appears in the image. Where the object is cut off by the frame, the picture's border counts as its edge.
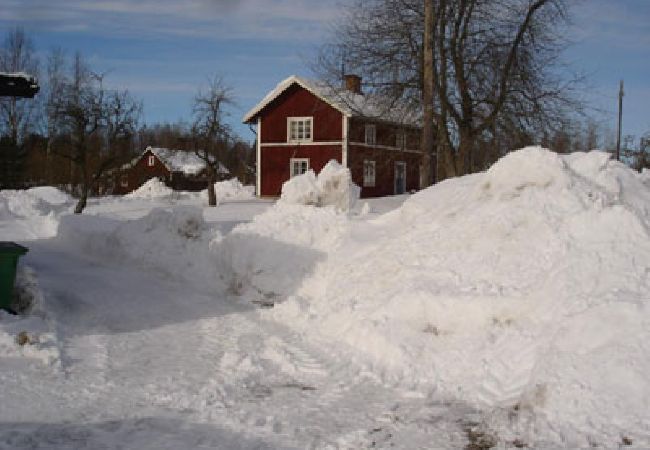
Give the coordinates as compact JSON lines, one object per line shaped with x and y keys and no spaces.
{"x":352,"y":83}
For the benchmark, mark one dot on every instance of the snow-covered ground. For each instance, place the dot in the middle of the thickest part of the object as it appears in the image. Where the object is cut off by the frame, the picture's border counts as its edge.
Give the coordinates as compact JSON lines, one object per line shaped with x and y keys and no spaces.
{"x":505,"y":308}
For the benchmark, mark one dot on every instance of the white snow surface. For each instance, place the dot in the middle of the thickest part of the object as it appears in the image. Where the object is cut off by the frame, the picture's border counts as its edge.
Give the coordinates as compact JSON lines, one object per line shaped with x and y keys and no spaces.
{"x":513,"y":303}
{"x":231,"y":189}
{"x":152,"y":188}
{"x":332,"y":187}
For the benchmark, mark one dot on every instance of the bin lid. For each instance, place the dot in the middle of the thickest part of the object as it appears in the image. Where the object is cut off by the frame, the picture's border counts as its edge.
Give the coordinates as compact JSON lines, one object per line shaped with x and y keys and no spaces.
{"x":12,"y":248}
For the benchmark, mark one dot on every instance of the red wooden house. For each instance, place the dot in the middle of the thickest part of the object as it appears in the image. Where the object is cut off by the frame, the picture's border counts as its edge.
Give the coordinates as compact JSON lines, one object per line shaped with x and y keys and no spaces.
{"x":178,"y":169}
{"x":302,"y":124}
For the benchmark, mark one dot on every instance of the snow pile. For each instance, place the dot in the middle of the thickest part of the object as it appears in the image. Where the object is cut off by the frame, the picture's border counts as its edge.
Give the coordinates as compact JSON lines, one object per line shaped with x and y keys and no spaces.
{"x":174,"y":241}
{"x":33,"y":213}
{"x":152,"y":188}
{"x":333,"y":186}
{"x":28,"y":336}
{"x":39,"y":201}
{"x":645,"y":177}
{"x":231,"y":189}
{"x":268,"y":258}
{"x":524,"y":289}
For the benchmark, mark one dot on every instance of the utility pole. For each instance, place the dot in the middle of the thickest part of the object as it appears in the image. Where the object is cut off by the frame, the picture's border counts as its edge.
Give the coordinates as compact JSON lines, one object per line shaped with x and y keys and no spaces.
{"x":620,"y":120}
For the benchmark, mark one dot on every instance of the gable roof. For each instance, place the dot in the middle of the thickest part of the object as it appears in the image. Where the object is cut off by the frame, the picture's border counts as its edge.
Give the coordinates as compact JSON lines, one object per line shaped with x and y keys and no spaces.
{"x":347,"y":102}
{"x":183,"y":161}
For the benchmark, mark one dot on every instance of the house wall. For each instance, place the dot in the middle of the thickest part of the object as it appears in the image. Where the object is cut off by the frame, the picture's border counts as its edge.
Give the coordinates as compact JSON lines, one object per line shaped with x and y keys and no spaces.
{"x":140,"y":173}
{"x":298,"y":102}
{"x":276,"y":160}
{"x":384,"y":169}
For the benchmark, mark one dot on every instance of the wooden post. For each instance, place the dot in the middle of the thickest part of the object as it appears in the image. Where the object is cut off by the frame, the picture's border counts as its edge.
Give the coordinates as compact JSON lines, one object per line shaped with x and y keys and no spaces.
{"x":620,"y":121}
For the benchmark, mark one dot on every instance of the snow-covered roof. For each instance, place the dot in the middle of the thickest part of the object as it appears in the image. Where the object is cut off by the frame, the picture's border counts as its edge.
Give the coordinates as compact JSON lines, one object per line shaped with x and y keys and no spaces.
{"x":347,"y":102}
{"x":182,"y":161}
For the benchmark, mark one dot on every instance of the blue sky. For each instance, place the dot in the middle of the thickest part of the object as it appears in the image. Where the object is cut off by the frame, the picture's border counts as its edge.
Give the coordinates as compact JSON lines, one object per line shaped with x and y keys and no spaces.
{"x":163,"y":50}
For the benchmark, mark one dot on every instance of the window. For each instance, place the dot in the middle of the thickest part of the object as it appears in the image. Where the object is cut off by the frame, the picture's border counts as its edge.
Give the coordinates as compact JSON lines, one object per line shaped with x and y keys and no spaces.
{"x":299,"y":129}
{"x":371,"y":134}
{"x":298,"y":166}
{"x":151,"y":161}
{"x":368,"y":173}
{"x":124,"y":181}
{"x":400,"y":139}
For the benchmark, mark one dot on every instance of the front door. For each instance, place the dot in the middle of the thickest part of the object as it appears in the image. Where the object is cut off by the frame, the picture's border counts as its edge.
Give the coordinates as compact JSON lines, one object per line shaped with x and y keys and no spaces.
{"x":400,"y":177}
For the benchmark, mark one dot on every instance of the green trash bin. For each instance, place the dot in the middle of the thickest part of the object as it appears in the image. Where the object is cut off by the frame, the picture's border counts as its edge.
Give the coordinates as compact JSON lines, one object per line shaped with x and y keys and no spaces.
{"x":9,"y":254}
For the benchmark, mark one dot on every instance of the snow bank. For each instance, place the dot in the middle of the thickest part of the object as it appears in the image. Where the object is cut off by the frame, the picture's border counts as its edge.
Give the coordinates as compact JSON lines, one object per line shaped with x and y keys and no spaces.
{"x":39,"y":201}
{"x":231,"y":189}
{"x":32,"y":213}
{"x":152,"y":188}
{"x":269,"y":257}
{"x":524,"y":289}
{"x":332,"y":187}
{"x":29,"y":335}
{"x":175,"y":241}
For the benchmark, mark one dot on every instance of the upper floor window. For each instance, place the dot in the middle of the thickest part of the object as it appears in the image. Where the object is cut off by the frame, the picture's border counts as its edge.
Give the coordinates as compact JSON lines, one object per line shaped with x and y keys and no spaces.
{"x":400,"y":139}
{"x":151,"y":161}
{"x":371,"y":134}
{"x":300,"y":129}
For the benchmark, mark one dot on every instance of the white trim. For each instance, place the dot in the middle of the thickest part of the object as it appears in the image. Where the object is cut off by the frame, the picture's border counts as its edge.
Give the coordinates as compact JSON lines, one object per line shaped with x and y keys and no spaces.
{"x":344,"y":149}
{"x":385,"y":147}
{"x":258,"y":160}
{"x":294,"y":160}
{"x":283,"y":86}
{"x":298,"y":119}
{"x":298,"y":143}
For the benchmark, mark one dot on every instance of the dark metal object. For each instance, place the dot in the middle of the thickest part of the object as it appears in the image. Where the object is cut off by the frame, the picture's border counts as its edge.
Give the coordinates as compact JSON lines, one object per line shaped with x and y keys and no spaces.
{"x":18,"y":85}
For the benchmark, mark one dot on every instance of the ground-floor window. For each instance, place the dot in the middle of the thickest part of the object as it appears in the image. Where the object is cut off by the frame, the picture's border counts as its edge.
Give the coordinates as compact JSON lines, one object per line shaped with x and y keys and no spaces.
{"x":368,"y":173}
{"x":124,"y":181}
{"x":298,"y":166}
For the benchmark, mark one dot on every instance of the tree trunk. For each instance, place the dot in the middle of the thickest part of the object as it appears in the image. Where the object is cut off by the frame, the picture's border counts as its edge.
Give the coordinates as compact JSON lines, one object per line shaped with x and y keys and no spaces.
{"x":83,"y":198}
{"x":427,"y":97}
{"x":212,"y":196}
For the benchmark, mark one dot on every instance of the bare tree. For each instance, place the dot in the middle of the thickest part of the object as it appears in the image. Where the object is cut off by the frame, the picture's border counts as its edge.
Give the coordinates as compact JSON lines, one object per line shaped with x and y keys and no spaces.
{"x":212,"y":134}
{"x":94,"y":119}
{"x":493,"y":68}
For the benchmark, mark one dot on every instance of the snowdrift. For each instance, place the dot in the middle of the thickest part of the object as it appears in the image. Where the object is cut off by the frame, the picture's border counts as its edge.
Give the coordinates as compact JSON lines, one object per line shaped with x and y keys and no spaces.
{"x":152,"y":188}
{"x":231,"y":189}
{"x":332,"y":187}
{"x":36,"y":210}
{"x":175,"y":241}
{"x":524,"y":289}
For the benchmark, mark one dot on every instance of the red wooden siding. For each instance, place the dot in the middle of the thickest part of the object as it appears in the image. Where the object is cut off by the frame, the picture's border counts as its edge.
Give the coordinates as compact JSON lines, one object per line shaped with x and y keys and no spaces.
{"x":140,"y":173}
{"x":384,"y":169}
{"x":275,"y":163}
{"x":298,"y":102}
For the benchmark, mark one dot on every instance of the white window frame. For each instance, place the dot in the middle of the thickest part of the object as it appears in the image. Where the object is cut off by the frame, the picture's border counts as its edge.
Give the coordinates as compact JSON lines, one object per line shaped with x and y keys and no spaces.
{"x":400,"y":140}
{"x":293,"y":161}
{"x":371,"y":134}
{"x":124,"y":181}
{"x":368,"y":180}
{"x":303,"y":120}
{"x":151,"y":161}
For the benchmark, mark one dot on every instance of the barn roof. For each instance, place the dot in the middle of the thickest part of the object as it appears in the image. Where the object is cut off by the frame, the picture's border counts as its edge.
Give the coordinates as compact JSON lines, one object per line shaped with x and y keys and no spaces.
{"x":183,"y":161}
{"x":347,"y":102}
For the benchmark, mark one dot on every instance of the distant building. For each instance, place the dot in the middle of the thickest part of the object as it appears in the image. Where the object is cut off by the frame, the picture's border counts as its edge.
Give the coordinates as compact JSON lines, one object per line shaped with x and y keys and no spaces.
{"x":180,"y":170}
{"x":302,"y":124}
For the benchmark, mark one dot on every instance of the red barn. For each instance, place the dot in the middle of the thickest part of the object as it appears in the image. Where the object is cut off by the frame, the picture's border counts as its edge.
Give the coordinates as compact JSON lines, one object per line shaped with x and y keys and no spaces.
{"x":302,"y":124}
{"x":178,"y":169}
